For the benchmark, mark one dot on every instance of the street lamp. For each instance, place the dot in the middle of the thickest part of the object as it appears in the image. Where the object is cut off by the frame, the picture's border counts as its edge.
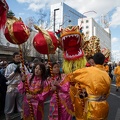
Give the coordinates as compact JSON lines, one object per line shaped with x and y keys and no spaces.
{"x":55,"y":17}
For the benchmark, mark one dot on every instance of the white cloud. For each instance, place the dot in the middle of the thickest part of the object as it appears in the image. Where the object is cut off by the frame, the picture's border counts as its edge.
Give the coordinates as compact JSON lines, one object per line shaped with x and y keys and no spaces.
{"x":115,"y":51}
{"x":20,"y":14}
{"x":28,"y":1}
{"x":115,"y":44}
{"x":114,"y":40}
{"x":99,"y":6}
{"x":35,"y":7}
{"x":116,"y":18}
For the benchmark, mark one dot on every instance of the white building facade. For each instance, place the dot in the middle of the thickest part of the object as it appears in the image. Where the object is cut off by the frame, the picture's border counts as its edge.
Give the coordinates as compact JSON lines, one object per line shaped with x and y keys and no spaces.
{"x":63,"y":15}
{"x":92,"y":28}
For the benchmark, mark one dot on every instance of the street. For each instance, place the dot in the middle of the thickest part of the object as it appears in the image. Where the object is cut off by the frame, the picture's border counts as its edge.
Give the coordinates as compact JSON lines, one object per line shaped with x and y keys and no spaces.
{"x":114,"y":103}
{"x":113,"y":100}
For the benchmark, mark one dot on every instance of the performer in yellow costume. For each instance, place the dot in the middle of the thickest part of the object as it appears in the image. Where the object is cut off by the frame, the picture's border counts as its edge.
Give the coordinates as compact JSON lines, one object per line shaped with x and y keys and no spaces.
{"x":117,"y":73}
{"x":96,"y":84}
{"x":106,"y":67}
{"x":71,"y":41}
{"x":75,"y":51}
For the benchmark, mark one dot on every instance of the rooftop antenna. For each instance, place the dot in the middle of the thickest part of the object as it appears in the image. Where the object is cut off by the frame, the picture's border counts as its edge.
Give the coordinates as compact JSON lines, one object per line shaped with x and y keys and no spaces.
{"x":104,"y":19}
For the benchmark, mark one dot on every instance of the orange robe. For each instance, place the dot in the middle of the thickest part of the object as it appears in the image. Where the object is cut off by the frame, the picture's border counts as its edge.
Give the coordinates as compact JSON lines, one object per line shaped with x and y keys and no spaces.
{"x":106,"y":68}
{"x":117,"y":73}
{"x":96,"y":82}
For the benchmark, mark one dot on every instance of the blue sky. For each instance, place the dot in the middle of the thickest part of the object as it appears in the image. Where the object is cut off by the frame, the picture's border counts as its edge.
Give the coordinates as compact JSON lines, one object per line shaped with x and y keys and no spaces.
{"x":110,"y":8}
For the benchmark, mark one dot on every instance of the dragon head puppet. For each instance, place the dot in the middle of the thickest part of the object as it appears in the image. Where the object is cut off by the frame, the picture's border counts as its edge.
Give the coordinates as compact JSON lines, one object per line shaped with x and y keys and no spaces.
{"x":71,"y":41}
{"x":92,"y":46}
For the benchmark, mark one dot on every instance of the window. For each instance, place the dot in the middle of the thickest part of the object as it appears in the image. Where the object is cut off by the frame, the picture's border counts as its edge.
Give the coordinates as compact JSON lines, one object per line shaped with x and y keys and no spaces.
{"x":87,"y":21}
{"x":87,"y":32}
{"x":87,"y":26}
{"x":82,"y":21}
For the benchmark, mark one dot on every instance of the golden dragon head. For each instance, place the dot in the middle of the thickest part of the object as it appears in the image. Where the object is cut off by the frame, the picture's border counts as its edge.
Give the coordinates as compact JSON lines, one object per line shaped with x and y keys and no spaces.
{"x":71,"y":39}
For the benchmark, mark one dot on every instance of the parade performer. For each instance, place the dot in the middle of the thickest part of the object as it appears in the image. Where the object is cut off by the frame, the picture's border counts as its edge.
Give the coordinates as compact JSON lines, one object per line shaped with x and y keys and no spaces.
{"x":96,"y":84}
{"x":106,"y":67}
{"x":65,"y":103}
{"x":117,"y":73}
{"x":106,"y":53}
{"x":39,"y":88}
{"x":90,"y":62}
{"x":71,"y":41}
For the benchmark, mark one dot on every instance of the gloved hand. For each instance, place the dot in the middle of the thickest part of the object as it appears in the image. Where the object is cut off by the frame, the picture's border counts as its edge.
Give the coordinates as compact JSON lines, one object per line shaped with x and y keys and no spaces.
{"x":17,"y":70}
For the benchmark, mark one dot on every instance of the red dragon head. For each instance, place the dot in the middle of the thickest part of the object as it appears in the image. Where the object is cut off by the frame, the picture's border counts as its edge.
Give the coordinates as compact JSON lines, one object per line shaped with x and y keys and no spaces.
{"x":71,"y":40}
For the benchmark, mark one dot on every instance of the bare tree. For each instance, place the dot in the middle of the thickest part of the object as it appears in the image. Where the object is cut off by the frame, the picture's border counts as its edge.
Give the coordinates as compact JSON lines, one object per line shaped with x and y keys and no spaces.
{"x":41,"y":21}
{"x":26,"y":49}
{"x":30,"y":21}
{"x":43,"y":18}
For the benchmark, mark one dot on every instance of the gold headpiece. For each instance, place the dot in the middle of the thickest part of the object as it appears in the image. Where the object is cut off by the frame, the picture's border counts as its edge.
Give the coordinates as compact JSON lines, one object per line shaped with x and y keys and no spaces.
{"x":91,"y":46}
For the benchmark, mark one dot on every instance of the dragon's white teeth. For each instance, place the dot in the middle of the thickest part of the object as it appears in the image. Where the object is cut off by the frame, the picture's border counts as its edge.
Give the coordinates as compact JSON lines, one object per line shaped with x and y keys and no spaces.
{"x":76,"y":55}
{"x":73,"y":35}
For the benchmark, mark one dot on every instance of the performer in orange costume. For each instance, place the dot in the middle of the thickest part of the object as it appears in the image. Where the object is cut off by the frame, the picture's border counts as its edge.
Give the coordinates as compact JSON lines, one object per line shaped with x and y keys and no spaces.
{"x":73,"y":43}
{"x":117,"y":73}
{"x":96,"y":84}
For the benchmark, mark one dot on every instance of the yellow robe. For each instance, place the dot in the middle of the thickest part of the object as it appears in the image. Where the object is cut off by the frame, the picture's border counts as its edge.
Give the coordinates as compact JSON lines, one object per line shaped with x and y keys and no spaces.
{"x":117,"y":73}
{"x":96,"y":82}
{"x":106,"y":68}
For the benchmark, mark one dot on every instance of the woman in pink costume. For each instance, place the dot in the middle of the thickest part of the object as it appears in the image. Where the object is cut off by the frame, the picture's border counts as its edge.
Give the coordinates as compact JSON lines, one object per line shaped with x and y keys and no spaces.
{"x":60,"y":104}
{"x":39,"y":89}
